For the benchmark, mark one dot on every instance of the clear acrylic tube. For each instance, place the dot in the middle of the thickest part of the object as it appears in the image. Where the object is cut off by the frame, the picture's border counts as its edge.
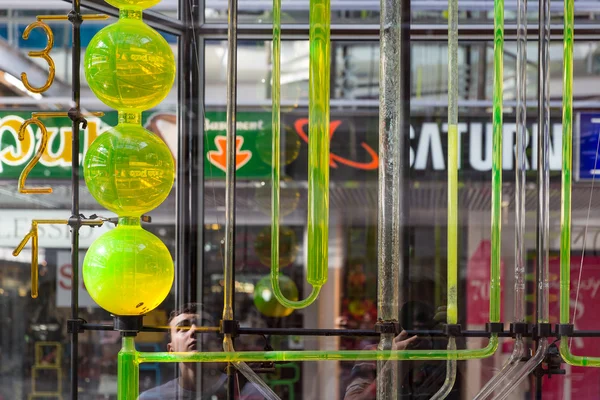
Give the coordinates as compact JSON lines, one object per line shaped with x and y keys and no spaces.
{"x":451,"y":366}
{"x":519,"y":348}
{"x":252,"y":377}
{"x":543,"y":214}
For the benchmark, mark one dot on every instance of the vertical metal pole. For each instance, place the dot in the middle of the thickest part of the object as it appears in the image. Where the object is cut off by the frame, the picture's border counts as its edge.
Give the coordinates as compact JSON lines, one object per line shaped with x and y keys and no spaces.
{"x":404,"y":176}
{"x":190,"y":164}
{"x":229,"y":270}
{"x":75,"y":115}
{"x":390,"y":196}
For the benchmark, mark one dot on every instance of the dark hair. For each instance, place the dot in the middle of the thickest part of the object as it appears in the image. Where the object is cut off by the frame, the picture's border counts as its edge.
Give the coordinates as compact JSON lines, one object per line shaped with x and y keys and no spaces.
{"x":189,"y":308}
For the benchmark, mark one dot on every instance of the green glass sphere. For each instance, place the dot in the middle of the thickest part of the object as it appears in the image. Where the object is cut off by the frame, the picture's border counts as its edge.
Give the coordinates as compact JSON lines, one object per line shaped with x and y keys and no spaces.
{"x":288,"y":246}
{"x":128,"y":270}
{"x":266,"y":302}
{"x":129,"y":170}
{"x":133,"y":4}
{"x":129,"y":66}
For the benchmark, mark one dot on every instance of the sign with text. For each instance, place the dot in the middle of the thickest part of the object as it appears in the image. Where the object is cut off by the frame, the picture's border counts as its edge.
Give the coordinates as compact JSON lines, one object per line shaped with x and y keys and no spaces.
{"x":63,"y":281}
{"x":15,"y":224}
{"x":587,"y":151}
{"x":354,"y":153}
{"x":478,"y":285}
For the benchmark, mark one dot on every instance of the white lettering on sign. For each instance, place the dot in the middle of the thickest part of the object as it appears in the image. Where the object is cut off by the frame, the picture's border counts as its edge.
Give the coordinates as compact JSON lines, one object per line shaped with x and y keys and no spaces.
{"x":63,"y":281}
{"x":15,"y":224}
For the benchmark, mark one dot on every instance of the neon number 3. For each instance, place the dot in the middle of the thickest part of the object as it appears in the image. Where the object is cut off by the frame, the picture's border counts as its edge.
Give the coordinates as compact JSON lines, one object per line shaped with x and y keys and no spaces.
{"x":45,"y":54}
{"x":35,"y":159}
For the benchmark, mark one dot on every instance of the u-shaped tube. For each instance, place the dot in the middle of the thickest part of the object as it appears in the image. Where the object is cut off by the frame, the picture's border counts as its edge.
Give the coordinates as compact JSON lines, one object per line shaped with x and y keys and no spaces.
{"x":567,"y":156}
{"x":318,"y":151}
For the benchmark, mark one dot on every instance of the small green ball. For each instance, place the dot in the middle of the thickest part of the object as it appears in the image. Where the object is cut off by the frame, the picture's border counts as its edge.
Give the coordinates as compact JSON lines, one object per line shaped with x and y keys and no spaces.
{"x":128,"y":271}
{"x":266,"y":302}
{"x":129,"y":170}
{"x":129,"y":66}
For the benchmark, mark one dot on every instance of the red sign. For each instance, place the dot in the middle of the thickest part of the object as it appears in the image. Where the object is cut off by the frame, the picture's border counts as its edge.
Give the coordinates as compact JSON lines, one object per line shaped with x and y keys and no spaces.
{"x":579,"y":383}
{"x":478,"y":284}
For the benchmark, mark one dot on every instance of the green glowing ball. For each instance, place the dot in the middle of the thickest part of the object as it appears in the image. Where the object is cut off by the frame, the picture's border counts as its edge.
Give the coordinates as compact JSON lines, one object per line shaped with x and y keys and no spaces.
{"x":129,"y":170}
{"x":129,"y":66}
{"x":265,"y":300}
{"x":133,"y":4}
{"x":128,"y":271}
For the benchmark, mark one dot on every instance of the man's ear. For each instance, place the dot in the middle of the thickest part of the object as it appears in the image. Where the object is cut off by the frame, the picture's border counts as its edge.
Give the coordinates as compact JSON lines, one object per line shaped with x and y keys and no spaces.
{"x":169,"y":347}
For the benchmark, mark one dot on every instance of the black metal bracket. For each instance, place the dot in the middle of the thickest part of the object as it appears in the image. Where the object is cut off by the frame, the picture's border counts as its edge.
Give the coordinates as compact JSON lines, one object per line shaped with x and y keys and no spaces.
{"x":519,"y":328}
{"x":75,"y":114}
{"x":453,"y":330}
{"x":543,"y":330}
{"x":229,"y":327}
{"x":128,"y":325}
{"x":75,"y":325}
{"x":565,"y":329}
{"x":387,"y":327}
{"x":494,"y":327}
{"x":553,"y":360}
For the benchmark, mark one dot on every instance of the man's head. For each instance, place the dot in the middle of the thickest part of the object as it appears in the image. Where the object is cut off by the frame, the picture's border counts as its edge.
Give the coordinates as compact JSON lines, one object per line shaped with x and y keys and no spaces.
{"x":183,"y":323}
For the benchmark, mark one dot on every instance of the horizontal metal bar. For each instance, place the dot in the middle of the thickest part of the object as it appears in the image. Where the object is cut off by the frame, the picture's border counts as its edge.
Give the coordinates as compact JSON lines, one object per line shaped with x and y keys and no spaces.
{"x":154,"y":19}
{"x":330,"y":332}
{"x":370,"y":32}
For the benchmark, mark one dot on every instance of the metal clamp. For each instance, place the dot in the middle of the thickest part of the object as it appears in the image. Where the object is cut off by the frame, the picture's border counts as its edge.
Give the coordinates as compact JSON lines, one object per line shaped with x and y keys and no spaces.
{"x":229,"y":327}
{"x":494,"y":327}
{"x":453,"y":330}
{"x":387,"y":327}
{"x":565,"y":329}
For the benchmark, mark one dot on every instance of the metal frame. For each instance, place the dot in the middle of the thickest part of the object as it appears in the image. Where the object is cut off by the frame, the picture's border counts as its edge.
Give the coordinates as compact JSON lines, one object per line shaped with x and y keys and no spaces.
{"x":193,"y":32}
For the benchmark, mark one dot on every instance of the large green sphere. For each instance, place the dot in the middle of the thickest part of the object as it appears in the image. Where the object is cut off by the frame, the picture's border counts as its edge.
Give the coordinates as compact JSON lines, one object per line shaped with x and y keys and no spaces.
{"x":129,"y":66}
{"x":133,"y":4}
{"x":129,"y":170}
{"x":128,"y":271}
{"x":266,"y":302}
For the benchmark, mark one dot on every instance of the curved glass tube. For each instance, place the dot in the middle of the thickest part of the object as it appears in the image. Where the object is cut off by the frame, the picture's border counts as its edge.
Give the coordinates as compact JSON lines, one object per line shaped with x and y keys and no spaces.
{"x":567,"y":157}
{"x":446,"y":388}
{"x":318,"y":355}
{"x":318,"y":151}
{"x":543,"y":215}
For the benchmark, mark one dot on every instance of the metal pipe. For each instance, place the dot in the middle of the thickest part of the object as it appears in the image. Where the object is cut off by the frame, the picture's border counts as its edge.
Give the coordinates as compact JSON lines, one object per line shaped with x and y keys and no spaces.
{"x":228,"y":268}
{"x":389,"y":195}
{"x":76,"y":107}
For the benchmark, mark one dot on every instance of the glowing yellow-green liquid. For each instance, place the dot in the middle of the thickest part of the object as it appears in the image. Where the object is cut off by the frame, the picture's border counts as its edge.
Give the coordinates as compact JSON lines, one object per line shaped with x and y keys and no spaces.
{"x":318,"y":151}
{"x":128,"y":270}
{"x":129,"y":170}
{"x":128,"y":65}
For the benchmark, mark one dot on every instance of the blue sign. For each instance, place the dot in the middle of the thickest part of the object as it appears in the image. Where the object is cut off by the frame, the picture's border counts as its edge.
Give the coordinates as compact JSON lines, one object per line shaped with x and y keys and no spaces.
{"x":588,"y":165}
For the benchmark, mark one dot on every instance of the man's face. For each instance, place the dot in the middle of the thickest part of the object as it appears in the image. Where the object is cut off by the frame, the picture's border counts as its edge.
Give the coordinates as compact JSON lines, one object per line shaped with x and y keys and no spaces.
{"x":184,"y":336}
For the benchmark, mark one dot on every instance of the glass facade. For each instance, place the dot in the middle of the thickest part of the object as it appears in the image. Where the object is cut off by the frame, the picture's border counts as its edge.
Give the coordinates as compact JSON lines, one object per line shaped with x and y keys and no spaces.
{"x":34,"y":340}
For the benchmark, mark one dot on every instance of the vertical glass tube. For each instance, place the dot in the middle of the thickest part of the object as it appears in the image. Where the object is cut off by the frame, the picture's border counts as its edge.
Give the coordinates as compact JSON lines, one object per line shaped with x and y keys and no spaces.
{"x":497,"y":160}
{"x":452,"y":306}
{"x":318,"y":131}
{"x":128,"y":370}
{"x":543,"y":214}
{"x":446,"y":388}
{"x":388,"y":227}
{"x":567,"y":161}
{"x":519,"y":287}
{"x":318,"y":151}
